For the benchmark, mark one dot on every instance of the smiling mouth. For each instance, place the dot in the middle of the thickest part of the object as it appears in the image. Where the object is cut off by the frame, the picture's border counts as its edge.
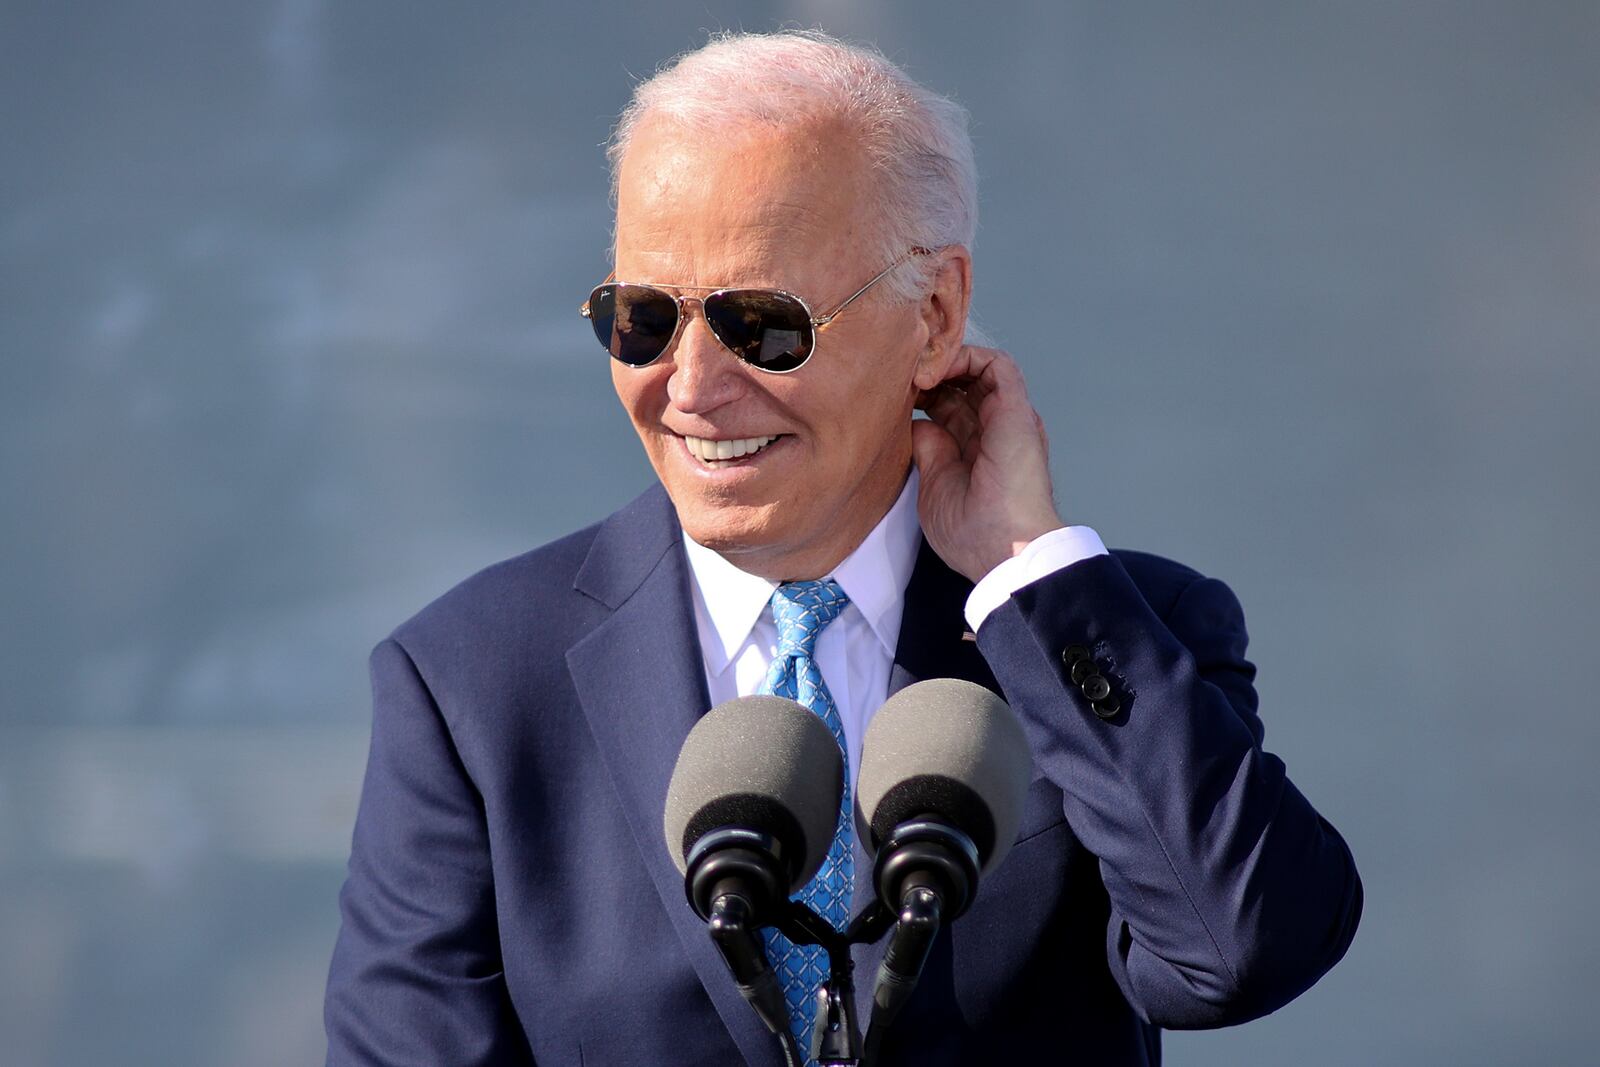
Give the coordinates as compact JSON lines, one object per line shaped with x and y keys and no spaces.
{"x":719,"y":454}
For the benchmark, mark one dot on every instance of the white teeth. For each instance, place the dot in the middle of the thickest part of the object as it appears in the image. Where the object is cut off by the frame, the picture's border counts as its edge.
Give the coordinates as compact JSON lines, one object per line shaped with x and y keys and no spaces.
{"x":716,"y":453}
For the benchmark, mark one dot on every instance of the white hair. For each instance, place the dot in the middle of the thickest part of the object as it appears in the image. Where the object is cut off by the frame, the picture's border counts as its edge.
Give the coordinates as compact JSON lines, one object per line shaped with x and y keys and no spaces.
{"x":915,"y":139}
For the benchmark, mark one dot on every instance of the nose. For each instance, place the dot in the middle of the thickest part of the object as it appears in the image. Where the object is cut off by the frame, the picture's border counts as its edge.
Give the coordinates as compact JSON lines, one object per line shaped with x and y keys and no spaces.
{"x":705,"y":375}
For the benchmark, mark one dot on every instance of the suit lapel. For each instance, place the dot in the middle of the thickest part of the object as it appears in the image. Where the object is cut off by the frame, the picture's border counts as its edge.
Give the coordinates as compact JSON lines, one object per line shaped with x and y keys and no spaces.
{"x":640,"y":678}
{"x":931,"y":628}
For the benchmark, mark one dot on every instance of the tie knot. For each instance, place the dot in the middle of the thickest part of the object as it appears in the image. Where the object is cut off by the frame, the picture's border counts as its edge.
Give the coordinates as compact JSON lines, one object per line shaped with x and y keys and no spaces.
{"x":801,"y":610}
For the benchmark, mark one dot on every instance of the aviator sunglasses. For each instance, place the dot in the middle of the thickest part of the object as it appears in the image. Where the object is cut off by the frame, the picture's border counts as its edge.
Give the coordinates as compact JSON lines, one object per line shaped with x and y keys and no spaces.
{"x":769,"y":329}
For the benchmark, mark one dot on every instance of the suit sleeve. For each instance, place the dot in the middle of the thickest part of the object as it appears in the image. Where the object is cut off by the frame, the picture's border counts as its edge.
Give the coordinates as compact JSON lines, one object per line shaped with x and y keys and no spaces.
{"x":1229,"y":894}
{"x":416,"y":976}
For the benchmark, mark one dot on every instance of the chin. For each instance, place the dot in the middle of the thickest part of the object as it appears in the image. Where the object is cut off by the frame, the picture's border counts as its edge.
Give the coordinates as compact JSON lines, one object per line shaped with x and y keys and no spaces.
{"x":726,"y":528}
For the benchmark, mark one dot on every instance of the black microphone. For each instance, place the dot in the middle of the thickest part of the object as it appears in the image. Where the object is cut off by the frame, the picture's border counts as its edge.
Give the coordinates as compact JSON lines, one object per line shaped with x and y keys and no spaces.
{"x":944,"y":773}
{"x":750,"y":811}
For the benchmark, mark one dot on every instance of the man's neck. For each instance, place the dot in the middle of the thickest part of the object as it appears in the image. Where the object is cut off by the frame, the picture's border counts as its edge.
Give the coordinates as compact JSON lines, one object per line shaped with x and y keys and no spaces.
{"x":821,"y":559}
{"x":874,"y":576}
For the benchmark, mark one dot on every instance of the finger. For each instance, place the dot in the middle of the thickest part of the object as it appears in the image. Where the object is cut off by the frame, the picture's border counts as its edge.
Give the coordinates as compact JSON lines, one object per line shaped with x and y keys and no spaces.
{"x":1001,"y":393}
{"x":970,"y":361}
{"x":987,"y":407}
{"x":933,"y":449}
{"x":986,"y":372}
{"x":966,"y":369}
{"x":956,"y":412}
{"x":1002,"y":375}
{"x":996,"y":389}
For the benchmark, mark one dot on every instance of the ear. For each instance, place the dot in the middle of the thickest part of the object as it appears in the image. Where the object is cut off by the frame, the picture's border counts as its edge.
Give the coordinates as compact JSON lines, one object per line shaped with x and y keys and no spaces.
{"x":944,"y":315}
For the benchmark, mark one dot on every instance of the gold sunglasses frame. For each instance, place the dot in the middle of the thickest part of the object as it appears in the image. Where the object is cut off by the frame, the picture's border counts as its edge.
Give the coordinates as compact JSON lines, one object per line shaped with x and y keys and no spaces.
{"x":817,"y":321}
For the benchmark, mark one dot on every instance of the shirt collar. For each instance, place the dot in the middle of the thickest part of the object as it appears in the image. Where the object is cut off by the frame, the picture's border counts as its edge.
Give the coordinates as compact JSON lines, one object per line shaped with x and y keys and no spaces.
{"x":874,"y":577}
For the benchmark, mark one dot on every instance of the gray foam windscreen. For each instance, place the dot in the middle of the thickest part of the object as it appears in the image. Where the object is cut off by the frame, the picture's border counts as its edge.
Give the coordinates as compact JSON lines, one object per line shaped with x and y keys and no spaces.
{"x":949,"y":748}
{"x":763,"y":763}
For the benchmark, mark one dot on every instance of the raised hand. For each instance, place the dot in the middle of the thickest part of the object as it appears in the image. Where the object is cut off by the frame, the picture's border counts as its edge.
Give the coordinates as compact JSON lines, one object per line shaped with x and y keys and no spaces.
{"x":984,"y":461}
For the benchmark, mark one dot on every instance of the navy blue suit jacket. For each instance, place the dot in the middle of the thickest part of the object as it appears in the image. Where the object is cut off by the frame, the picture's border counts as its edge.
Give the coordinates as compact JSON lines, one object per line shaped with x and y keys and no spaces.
{"x":510,"y":898}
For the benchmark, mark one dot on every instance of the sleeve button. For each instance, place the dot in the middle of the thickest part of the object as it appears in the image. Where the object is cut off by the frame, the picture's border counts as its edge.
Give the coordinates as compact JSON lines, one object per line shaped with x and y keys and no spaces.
{"x":1095,"y":687}
{"x":1073,"y":654}
{"x":1107,"y":708}
{"x":1081,"y":670}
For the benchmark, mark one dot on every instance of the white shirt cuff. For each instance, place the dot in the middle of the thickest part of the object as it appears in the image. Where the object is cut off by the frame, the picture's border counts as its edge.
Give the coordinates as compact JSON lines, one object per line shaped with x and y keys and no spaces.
{"x":1044,"y":555}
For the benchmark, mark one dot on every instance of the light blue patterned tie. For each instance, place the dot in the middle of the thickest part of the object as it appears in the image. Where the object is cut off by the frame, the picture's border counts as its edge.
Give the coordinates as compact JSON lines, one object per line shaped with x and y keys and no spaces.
{"x":801,"y":610}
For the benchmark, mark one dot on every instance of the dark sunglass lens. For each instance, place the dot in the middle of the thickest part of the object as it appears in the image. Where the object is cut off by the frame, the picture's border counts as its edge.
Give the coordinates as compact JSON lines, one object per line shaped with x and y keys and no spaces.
{"x":635,"y":323}
{"x":766,"y":329}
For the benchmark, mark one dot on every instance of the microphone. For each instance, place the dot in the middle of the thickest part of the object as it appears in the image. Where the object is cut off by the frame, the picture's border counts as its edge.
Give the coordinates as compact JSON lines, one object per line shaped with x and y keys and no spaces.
{"x":750,"y":811}
{"x":944,"y":773}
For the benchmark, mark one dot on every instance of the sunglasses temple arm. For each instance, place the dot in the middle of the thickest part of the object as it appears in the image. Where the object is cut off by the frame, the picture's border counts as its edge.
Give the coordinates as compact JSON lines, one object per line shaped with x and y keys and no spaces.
{"x":823,"y":320}
{"x":583,"y":308}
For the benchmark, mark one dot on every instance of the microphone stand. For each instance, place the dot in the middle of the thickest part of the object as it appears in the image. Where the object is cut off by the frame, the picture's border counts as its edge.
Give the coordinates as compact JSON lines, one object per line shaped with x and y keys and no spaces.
{"x":835,"y":1035}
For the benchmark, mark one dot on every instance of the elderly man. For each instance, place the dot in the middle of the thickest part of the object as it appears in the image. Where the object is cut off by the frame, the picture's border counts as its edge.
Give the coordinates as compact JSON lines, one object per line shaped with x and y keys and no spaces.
{"x":791,"y":283}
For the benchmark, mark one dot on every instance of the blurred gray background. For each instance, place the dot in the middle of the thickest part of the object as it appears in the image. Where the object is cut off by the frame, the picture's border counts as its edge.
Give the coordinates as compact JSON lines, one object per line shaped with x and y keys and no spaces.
{"x":288,"y":345}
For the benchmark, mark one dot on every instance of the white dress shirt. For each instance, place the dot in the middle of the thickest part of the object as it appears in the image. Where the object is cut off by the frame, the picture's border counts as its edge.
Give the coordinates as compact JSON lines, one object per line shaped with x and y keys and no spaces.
{"x":855,"y":652}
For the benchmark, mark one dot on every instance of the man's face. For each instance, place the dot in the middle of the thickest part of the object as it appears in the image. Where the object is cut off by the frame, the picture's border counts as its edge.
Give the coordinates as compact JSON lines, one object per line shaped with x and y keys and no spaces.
{"x":781,"y":211}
